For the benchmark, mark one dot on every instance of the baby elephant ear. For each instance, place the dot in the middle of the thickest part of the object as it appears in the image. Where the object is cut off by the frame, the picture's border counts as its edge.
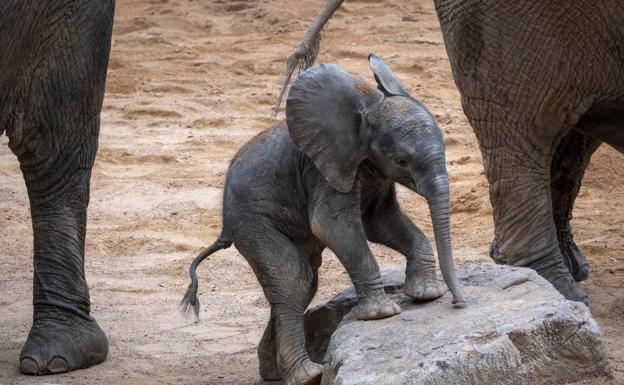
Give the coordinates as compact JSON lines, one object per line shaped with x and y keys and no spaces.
{"x":325,"y":115}
{"x":387,"y":82}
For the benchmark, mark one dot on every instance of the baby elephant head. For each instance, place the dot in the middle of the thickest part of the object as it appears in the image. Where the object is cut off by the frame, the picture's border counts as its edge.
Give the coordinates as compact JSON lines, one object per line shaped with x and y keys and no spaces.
{"x":339,"y":120}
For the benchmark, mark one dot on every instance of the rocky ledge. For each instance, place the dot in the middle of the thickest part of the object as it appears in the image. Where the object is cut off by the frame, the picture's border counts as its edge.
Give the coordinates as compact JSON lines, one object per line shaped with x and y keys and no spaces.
{"x":517,"y":329}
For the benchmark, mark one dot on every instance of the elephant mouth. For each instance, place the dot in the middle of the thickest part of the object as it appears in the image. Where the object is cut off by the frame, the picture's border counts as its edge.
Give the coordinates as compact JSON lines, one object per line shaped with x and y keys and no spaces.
{"x":410,"y":183}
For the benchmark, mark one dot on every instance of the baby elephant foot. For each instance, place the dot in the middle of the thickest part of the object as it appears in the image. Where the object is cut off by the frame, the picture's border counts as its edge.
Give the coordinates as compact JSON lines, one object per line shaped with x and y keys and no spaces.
{"x":270,"y":373}
{"x":422,"y":287}
{"x":58,"y":345}
{"x":421,"y":282}
{"x":376,"y":307}
{"x":307,"y":373}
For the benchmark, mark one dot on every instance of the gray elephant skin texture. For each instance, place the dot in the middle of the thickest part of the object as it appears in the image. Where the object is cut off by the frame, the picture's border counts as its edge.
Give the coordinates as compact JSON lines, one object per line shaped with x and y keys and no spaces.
{"x":542,"y":85}
{"x":326,"y":178}
{"x":53,"y":61}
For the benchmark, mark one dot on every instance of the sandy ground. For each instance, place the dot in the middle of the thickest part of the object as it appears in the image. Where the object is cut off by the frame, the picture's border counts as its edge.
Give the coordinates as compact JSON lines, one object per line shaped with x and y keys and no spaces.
{"x":189,"y":82}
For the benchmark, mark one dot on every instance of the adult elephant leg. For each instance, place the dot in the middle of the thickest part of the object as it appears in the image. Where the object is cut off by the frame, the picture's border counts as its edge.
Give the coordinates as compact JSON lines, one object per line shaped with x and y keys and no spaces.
{"x":63,"y":335}
{"x":289,"y":282}
{"x":517,"y":158}
{"x":60,"y":53}
{"x":568,"y":167}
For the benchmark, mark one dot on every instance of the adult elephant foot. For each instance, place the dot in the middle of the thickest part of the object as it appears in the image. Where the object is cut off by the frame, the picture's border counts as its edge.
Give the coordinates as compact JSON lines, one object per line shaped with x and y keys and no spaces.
{"x":557,"y":273}
{"x":495,"y":253}
{"x":574,"y":260}
{"x":59,"y":343}
{"x":63,"y":336}
{"x":559,"y":276}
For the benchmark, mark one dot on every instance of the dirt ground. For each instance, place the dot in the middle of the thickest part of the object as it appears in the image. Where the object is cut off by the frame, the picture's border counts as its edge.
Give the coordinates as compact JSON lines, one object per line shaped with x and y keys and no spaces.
{"x":189,"y":82}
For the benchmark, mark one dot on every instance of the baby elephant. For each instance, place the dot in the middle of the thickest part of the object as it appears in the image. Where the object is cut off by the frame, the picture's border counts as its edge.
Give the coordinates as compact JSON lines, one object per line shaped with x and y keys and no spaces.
{"x":326,"y":178}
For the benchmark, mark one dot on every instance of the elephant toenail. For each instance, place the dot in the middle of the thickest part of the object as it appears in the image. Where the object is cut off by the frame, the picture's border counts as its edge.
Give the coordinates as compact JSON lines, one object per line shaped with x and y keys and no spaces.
{"x":58,"y":365}
{"x":29,"y":366}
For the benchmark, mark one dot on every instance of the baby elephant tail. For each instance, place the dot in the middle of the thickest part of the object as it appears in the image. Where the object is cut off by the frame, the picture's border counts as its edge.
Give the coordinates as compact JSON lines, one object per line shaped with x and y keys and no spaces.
{"x":190,"y":300}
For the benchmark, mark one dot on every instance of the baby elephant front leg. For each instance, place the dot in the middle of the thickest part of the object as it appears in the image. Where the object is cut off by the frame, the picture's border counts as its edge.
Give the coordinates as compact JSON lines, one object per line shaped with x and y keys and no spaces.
{"x":391,"y":228}
{"x":374,"y":304}
{"x":420,"y":277}
{"x":346,"y":238}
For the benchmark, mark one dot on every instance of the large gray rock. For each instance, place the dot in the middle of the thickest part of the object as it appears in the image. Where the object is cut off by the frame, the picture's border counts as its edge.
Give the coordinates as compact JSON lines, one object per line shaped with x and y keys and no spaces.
{"x":517,"y":329}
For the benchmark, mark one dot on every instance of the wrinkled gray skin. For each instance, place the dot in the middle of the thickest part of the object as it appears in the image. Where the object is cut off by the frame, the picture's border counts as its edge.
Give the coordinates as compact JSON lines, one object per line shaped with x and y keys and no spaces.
{"x":326,"y":179}
{"x":542,"y":84}
{"x":53,"y":60}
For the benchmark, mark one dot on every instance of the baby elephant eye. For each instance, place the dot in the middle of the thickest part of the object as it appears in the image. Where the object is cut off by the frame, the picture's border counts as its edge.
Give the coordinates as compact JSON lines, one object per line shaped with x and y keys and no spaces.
{"x":402,"y":162}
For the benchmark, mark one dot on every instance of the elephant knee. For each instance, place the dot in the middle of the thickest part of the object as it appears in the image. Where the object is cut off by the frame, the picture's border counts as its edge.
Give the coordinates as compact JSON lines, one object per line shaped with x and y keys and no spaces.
{"x":294,"y":296}
{"x":293,"y":300}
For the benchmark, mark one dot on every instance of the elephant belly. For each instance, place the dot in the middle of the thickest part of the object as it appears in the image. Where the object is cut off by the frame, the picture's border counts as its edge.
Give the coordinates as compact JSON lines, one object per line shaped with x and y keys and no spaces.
{"x":606,"y":123}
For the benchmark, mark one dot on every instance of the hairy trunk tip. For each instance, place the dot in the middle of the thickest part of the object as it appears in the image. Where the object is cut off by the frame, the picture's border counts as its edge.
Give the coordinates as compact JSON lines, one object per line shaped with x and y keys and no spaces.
{"x":459,"y":304}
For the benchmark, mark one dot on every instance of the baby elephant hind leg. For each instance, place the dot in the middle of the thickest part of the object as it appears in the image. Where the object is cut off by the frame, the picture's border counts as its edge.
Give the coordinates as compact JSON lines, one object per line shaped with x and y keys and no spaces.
{"x":390,"y":227}
{"x":267,"y":353}
{"x":289,"y":283}
{"x":267,"y":350}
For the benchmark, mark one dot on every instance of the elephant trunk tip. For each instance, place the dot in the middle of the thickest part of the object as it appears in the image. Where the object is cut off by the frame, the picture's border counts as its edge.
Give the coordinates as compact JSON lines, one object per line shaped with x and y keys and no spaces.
{"x":439,"y":206}
{"x":459,"y":303}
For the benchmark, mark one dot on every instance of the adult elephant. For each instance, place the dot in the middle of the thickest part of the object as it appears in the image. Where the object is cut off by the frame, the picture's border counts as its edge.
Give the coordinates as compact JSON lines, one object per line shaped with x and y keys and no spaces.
{"x":53,"y":60}
{"x":542,"y":84}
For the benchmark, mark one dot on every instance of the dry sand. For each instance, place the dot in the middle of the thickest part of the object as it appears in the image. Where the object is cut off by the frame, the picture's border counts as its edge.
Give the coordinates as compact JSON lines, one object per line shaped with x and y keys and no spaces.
{"x":189,"y":82}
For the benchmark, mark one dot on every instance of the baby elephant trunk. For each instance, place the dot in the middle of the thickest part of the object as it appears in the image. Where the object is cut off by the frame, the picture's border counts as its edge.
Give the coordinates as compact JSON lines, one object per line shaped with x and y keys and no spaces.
{"x":438,"y":201}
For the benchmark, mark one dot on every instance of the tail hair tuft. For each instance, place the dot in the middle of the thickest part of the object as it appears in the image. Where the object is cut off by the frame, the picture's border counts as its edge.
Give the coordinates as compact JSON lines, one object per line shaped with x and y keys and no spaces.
{"x":190,"y":302}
